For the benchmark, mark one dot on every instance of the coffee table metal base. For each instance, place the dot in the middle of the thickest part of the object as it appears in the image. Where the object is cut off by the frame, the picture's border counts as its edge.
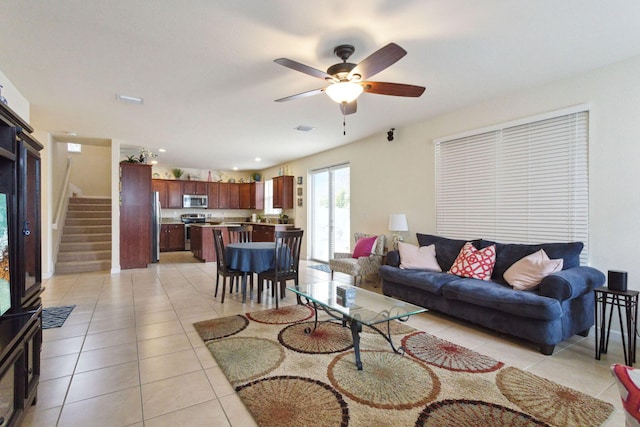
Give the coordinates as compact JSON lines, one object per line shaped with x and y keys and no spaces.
{"x":356,"y":328}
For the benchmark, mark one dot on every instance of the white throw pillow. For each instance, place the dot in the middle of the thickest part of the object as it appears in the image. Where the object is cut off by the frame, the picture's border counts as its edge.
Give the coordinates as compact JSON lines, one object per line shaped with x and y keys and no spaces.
{"x":418,"y":258}
{"x":528,"y":272}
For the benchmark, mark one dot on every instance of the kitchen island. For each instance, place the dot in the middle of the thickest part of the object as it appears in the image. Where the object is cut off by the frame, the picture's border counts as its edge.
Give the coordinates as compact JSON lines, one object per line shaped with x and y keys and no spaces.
{"x":202,"y":245}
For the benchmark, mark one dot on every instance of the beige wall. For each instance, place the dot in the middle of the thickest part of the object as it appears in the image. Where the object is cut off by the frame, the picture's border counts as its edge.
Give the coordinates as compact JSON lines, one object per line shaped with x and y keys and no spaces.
{"x":91,"y":170}
{"x":17,"y":102}
{"x":399,"y":176}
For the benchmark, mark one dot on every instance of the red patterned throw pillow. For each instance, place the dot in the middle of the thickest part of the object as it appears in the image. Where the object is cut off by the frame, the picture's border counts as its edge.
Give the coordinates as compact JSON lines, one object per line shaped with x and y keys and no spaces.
{"x":474,"y":263}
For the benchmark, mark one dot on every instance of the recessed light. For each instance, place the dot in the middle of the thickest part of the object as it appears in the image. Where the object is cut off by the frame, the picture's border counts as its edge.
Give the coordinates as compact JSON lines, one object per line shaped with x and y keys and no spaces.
{"x":235,"y":168}
{"x":304,"y":128}
{"x":258,"y":159}
{"x":154,"y":162}
{"x":131,"y":99}
{"x":162,"y":150}
{"x":70,"y":133}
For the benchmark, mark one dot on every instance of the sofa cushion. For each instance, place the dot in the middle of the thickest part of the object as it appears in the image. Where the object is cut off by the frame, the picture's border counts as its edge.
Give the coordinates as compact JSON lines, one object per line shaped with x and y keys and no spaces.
{"x":446,"y":249}
{"x":495,"y":296}
{"x":508,"y":253}
{"x":420,"y":258}
{"x":424,"y":280}
{"x":474,"y":263}
{"x":528,"y":272}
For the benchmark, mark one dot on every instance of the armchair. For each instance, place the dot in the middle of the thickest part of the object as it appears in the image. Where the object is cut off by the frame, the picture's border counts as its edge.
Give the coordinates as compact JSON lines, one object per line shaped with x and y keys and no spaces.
{"x":361,"y":266}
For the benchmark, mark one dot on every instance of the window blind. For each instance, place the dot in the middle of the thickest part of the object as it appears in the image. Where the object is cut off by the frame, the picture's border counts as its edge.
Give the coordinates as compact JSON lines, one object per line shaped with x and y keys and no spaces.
{"x":524,"y":182}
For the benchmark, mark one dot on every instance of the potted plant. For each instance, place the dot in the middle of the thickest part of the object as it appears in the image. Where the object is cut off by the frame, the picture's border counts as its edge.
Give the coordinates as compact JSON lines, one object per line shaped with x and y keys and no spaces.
{"x":177,"y":172}
{"x":131,"y":159}
{"x":284,"y":219}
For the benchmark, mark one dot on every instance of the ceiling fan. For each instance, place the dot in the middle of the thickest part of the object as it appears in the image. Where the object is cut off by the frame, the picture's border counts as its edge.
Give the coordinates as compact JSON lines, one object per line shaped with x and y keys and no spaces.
{"x":347,"y":81}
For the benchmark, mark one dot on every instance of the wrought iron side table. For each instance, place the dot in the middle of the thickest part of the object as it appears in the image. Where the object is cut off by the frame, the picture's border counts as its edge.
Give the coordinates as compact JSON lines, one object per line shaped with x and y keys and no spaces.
{"x":605,"y":297}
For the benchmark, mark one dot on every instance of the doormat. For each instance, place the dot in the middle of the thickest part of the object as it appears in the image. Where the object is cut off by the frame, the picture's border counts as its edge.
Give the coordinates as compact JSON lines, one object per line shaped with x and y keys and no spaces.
{"x":54,"y":317}
{"x":321,"y":267}
{"x":288,"y":376}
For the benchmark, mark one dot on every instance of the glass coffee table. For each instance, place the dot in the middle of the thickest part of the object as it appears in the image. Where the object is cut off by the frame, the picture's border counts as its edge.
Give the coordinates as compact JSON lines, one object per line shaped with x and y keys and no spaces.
{"x":355,"y":307}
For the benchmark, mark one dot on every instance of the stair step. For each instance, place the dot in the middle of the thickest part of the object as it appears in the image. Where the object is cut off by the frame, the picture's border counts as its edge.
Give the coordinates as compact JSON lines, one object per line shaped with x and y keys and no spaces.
{"x":85,"y":246}
{"x":89,"y":208}
{"x":82,"y":266}
{"x":87,"y":221}
{"x":89,"y":214}
{"x":86,"y":229}
{"x":84,"y":256}
{"x":90,"y":200}
{"x":75,"y":238}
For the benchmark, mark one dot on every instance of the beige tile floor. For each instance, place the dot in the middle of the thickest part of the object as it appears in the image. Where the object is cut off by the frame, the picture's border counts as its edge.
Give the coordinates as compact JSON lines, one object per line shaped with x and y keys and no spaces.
{"x":129,"y":356}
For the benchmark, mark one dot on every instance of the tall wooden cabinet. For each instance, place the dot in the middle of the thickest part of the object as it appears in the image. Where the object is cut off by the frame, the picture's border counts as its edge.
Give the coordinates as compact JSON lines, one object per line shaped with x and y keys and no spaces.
{"x":20,"y":267}
{"x":135,"y":215}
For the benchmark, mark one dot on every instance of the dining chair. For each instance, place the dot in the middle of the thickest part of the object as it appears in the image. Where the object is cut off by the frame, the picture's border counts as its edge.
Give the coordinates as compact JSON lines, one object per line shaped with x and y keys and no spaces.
{"x":286,"y":264}
{"x":221,"y":264}
{"x":240,"y":234}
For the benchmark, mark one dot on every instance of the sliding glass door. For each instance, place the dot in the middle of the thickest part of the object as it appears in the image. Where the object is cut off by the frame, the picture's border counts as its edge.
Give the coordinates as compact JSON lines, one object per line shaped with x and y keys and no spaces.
{"x":330,"y":211}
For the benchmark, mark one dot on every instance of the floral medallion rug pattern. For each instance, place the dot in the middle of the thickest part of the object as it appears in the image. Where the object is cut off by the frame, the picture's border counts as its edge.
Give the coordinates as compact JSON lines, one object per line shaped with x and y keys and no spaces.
{"x":287,"y":376}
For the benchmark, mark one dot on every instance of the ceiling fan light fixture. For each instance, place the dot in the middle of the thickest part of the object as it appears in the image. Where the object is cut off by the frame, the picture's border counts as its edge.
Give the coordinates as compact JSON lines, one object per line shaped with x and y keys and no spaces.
{"x":344,"y":92}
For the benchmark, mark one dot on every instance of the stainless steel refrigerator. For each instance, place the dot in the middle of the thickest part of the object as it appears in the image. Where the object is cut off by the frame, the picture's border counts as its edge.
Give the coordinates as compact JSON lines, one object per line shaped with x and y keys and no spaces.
{"x":156,"y":219}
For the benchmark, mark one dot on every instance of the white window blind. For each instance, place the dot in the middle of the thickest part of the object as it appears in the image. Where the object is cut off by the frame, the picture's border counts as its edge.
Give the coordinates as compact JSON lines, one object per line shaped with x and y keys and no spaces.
{"x":268,"y":199}
{"x":524,"y":182}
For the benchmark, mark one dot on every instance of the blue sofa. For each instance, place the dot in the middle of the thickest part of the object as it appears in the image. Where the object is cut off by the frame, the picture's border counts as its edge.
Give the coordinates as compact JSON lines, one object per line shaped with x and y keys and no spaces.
{"x":560,"y":307}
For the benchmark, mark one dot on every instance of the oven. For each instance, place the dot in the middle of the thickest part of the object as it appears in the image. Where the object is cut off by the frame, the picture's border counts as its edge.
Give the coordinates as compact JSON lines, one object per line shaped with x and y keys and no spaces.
{"x":189,"y":219}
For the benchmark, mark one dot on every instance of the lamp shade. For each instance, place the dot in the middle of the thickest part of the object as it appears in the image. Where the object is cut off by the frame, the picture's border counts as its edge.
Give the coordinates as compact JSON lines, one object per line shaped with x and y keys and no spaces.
{"x":398,"y":222}
{"x":344,"y":92}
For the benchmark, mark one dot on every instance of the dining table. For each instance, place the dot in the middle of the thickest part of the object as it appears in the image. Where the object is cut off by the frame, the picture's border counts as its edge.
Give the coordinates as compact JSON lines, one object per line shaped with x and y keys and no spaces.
{"x":249,"y":258}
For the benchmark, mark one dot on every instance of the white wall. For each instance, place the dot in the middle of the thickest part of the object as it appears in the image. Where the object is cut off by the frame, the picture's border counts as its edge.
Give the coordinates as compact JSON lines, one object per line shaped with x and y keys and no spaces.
{"x":399,"y":176}
{"x":17,"y":102}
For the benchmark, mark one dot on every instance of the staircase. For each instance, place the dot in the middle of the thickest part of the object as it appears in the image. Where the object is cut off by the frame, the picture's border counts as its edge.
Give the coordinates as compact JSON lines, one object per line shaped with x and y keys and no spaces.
{"x":86,"y":237}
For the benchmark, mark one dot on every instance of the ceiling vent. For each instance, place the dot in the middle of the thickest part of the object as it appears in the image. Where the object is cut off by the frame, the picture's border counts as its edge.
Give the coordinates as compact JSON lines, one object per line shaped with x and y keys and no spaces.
{"x":304,"y":128}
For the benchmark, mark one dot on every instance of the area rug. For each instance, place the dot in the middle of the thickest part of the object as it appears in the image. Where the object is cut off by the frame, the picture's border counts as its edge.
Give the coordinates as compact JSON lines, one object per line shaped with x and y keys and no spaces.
{"x":54,"y":317}
{"x":321,"y":267}
{"x":286,"y":377}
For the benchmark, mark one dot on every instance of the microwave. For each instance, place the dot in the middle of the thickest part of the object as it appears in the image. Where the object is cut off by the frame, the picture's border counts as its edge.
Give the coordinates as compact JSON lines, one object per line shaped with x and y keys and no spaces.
{"x":195,"y":201}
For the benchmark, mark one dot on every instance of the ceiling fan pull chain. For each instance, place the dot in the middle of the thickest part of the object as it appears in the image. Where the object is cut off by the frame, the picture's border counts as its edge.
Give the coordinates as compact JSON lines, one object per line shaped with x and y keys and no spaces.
{"x":344,"y":124}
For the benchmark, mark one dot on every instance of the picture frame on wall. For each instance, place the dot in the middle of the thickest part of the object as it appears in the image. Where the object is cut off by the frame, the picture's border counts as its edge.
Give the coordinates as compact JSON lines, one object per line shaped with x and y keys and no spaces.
{"x":300,"y":201}
{"x":299,"y":180}
{"x":299,"y":191}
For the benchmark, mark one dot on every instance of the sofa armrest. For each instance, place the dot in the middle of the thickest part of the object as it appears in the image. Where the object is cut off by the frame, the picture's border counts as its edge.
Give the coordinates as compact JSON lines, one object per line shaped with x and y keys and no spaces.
{"x":393,"y":258}
{"x":342,"y":255}
{"x":571,"y":283}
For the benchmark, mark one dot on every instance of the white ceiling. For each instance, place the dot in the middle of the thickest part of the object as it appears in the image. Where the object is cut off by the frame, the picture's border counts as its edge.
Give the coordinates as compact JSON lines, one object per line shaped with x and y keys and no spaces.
{"x":205,"y":67}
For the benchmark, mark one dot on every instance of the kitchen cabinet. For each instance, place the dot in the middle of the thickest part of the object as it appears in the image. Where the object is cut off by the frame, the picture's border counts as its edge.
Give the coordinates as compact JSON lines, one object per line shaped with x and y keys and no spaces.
{"x":283,"y":192}
{"x":170,"y":193}
{"x":135,"y":215}
{"x":252,"y":195}
{"x":266,"y":232}
{"x":195,"y":187}
{"x":20,"y":267}
{"x":213,"y":190}
{"x":171,"y":237}
{"x":202,"y":243}
{"x":229,"y":195}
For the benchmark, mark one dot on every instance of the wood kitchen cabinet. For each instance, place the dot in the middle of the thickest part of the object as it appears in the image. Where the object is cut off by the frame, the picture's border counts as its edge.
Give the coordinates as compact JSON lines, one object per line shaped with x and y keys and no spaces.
{"x":254,"y":196}
{"x":283,"y":192}
{"x":229,"y":195}
{"x":171,"y":237}
{"x":170,"y":193}
{"x":213,"y":190}
{"x":266,"y":233}
{"x":135,"y":215}
{"x":195,"y":187}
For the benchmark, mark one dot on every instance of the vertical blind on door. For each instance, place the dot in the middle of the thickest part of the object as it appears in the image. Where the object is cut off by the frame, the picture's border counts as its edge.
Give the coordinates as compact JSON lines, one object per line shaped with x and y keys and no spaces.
{"x":524,"y":182}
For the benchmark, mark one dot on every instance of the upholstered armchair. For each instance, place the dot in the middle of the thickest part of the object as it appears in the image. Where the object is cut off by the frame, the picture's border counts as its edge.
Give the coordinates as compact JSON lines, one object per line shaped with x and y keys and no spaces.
{"x":361,"y":265}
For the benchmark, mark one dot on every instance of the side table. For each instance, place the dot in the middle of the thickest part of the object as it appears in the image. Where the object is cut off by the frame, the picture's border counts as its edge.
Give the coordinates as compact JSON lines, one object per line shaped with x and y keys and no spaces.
{"x":605,"y":297}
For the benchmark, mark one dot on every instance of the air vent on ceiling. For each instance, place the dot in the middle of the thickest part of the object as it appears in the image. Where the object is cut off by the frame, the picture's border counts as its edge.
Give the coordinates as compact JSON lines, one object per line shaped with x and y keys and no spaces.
{"x":304,"y":128}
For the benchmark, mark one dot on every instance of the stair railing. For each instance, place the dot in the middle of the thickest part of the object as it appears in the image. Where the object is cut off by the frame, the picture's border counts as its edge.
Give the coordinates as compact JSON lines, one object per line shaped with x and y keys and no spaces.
{"x":63,"y":198}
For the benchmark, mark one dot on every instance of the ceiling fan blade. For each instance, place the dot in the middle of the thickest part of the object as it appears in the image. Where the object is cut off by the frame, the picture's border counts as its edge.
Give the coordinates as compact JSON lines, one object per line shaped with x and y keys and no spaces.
{"x":378,"y":61}
{"x":394,"y":89}
{"x":349,"y":108}
{"x":301,"y":95}
{"x":303,"y":68}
